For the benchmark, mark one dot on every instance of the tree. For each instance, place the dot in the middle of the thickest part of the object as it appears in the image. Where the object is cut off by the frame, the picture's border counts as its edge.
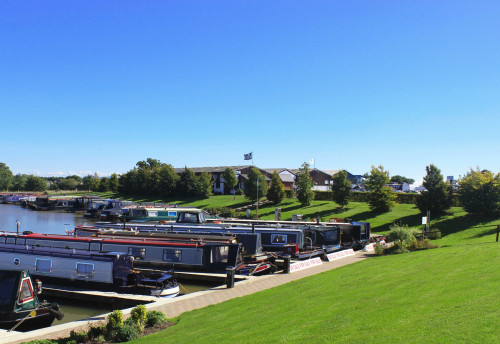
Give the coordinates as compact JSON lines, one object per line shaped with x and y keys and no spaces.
{"x":91,"y":182}
{"x":6,"y":176}
{"x":381,"y":198}
{"x":168,"y":180}
{"x":35,"y":183}
{"x":341,"y":188}
{"x":187,"y":185}
{"x":304,"y":184}
{"x":114,"y":182}
{"x":230,"y":179}
{"x":276,"y":192}
{"x":251,"y":185}
{"x":68,"y":184}
{"x":19,"y":182}
{"x":479,"y":192}
{"x":104,"y":184}
{"x":205,"y":185}
{"x":400,"y":180}
{"x":436,"y":198}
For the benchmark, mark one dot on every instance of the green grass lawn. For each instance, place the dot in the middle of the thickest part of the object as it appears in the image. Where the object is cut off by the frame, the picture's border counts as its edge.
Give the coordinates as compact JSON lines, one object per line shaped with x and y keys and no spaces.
{"x":446,"y":295}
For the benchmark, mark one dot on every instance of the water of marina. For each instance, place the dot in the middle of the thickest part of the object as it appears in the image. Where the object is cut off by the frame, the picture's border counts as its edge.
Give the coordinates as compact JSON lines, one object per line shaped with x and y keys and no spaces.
{"x":57,"y":222}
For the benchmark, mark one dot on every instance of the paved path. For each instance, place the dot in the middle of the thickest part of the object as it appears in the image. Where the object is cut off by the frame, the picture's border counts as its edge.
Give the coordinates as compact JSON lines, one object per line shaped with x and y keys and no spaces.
{"x":176,"y":306}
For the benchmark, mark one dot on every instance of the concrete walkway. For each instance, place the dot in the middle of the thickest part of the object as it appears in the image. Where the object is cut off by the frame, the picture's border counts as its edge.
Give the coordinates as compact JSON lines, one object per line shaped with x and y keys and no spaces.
{"x":176,"y":306}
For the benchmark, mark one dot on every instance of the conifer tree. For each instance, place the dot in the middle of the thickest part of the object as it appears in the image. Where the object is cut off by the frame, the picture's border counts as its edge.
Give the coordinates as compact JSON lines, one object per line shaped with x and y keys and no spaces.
{"x":276,"y":192}
{"x":341,"y":188}
{"x":305,"y":194}
{"x":436,"y":196}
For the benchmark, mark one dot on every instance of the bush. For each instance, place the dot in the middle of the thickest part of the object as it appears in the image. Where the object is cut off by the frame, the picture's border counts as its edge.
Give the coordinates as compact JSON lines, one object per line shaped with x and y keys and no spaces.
{"x":421,"y":245}
{"x":227,"y":212}
{"x":138,"y":314}
{"x":96,"y":332}
{"x":154,"y":318}
{"x":435,"y":234}
{"x":41,"y":341}
{"x":126,"y":334}
{"x":115,"y":319}
{"x":402,"y":235}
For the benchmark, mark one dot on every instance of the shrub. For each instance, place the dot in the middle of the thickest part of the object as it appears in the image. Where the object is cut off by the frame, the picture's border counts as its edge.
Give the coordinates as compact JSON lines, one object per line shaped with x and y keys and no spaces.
{"x":154,"y":318}
{"x":289,"y":194}
{"x":42,"y":341}
{"x":138,"y":314}
{"x":228,"y":212}
{"x":115,"y":320}
{"x":126,"y":334}
{"x":96,"y":331}
{"x":379,"y":249}
{"x":402,"y":235}
{"x":435,"y":234}
{"x":421,"y":245}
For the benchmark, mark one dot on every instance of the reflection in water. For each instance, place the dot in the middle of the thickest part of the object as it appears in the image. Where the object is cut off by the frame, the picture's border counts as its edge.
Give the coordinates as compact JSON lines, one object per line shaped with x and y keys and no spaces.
{"x":53,"y":222}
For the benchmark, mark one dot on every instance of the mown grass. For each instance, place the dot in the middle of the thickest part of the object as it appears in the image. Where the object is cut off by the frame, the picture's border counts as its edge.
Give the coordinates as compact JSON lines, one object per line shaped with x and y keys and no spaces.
{"x":446,"y":295}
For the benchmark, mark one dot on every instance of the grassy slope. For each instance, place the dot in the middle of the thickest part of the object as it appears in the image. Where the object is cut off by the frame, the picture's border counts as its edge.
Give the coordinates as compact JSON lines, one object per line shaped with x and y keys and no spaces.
{"x":446,"y":295}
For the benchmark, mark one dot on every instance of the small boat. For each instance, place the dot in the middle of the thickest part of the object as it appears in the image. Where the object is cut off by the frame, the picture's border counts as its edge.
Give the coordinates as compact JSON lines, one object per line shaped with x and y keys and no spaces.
{"x":20,"y":309}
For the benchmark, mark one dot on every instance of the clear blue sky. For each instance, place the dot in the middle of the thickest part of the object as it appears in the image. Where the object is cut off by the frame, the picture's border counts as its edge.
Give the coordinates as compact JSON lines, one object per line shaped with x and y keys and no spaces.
{"x":95,"y":86}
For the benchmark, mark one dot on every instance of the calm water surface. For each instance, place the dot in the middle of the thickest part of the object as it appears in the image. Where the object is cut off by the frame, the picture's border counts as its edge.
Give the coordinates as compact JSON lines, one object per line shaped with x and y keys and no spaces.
{"x":53,"y":222}
{"x":56,"y":222}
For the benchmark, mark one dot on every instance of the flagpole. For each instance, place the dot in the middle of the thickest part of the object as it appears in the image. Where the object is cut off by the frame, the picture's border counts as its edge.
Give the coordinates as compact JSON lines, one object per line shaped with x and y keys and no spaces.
{"x":257,"y":211}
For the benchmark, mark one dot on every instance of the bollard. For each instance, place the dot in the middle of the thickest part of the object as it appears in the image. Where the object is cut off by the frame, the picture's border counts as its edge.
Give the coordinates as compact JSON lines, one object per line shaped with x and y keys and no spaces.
{"x":230,"y":277}
{"x":286,"y":267}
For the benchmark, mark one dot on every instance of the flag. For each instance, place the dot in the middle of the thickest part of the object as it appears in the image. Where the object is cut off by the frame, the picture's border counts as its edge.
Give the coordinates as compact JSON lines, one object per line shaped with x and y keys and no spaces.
{"x":311,"y":162}
{"x":248,"y":156}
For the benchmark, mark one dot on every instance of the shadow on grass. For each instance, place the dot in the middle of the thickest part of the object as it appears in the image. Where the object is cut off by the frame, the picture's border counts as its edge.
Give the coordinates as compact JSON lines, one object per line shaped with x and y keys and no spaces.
{"x":458,"y":224}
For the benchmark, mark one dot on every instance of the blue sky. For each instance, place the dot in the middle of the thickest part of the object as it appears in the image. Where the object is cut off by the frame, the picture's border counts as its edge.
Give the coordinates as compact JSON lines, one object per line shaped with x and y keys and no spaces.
{"x":89,"y":86}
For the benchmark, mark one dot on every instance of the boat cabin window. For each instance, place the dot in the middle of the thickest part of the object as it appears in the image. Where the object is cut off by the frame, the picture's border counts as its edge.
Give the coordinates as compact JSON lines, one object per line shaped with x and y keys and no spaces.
{"x":153,"y":213}
{"x":137,"y":252}
{"x":219,"y":254}
{"x":84,"y":270}
{"x":332,"y":236}
{"x":43,"y":265}
{"x":11,"y":240}
{"x":278,"y":238}
{"x":2,"y":240}
{"x":138,"y":212}
{"x":172,"y":214}
{"x":26,"y":291}
{"x":188,"y":217}
{"x":171,"y":255}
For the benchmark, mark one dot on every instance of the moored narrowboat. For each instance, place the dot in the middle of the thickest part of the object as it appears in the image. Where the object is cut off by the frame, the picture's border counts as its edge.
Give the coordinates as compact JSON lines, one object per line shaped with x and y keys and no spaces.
{"x":20,"y":308}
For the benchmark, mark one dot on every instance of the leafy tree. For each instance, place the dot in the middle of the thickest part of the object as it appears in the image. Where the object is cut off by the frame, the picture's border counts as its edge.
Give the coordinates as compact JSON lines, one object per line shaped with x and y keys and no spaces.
{"x":114,"y":182}
{"x":205,"y":185}
{"x":188,"y":183}
{"x":68,"y":184}
{"x":75,"y":177}
{"x":400,"y":179}
{"x":35,"y":183}
{"x":436,"y":198}
{"x":305,"y":194}
{"x":276,"y":192}
{"x":341,"y":188}
{"x":19,"y":182}
{"x":382,"y":197}
{"x":479,"y":192}
{"x":104,"y":184}
{"x":168,"y":180}
{"x":91,"y":182}
{"x":251,"y":185}
{"x":6,"y":176}
{"x":230,"y":179}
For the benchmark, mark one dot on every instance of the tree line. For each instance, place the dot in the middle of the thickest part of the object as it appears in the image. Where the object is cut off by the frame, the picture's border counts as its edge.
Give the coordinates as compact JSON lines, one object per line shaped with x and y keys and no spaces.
{"x":478,"y":191}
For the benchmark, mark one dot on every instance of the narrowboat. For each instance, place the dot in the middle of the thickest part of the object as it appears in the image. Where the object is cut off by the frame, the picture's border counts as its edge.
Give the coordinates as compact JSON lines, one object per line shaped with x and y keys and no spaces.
{"x":185,"y":255}
{"x":20,"y":308}
{"x":52,"y":203}
{"x":115,"y":209}
{"x":301,"y":242}
{"x":155,"y":213}
{"x":83,"y":203}
{"x":97,"y":270}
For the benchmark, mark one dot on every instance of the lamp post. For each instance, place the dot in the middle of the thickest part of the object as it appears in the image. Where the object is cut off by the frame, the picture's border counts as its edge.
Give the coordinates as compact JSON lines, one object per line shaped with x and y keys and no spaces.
{"x":18,"y":223}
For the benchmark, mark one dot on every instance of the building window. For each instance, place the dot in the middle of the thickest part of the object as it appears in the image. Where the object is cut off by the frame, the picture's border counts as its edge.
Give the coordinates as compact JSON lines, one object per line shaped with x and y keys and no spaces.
{"x":137,"y":252}
{"x":171,"y":255}
{"x":43,"y":265}
{"x":84,"y":270}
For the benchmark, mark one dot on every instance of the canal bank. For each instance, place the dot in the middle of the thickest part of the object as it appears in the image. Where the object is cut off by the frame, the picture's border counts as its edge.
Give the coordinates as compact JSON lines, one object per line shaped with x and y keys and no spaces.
{"x":176,"y":306}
